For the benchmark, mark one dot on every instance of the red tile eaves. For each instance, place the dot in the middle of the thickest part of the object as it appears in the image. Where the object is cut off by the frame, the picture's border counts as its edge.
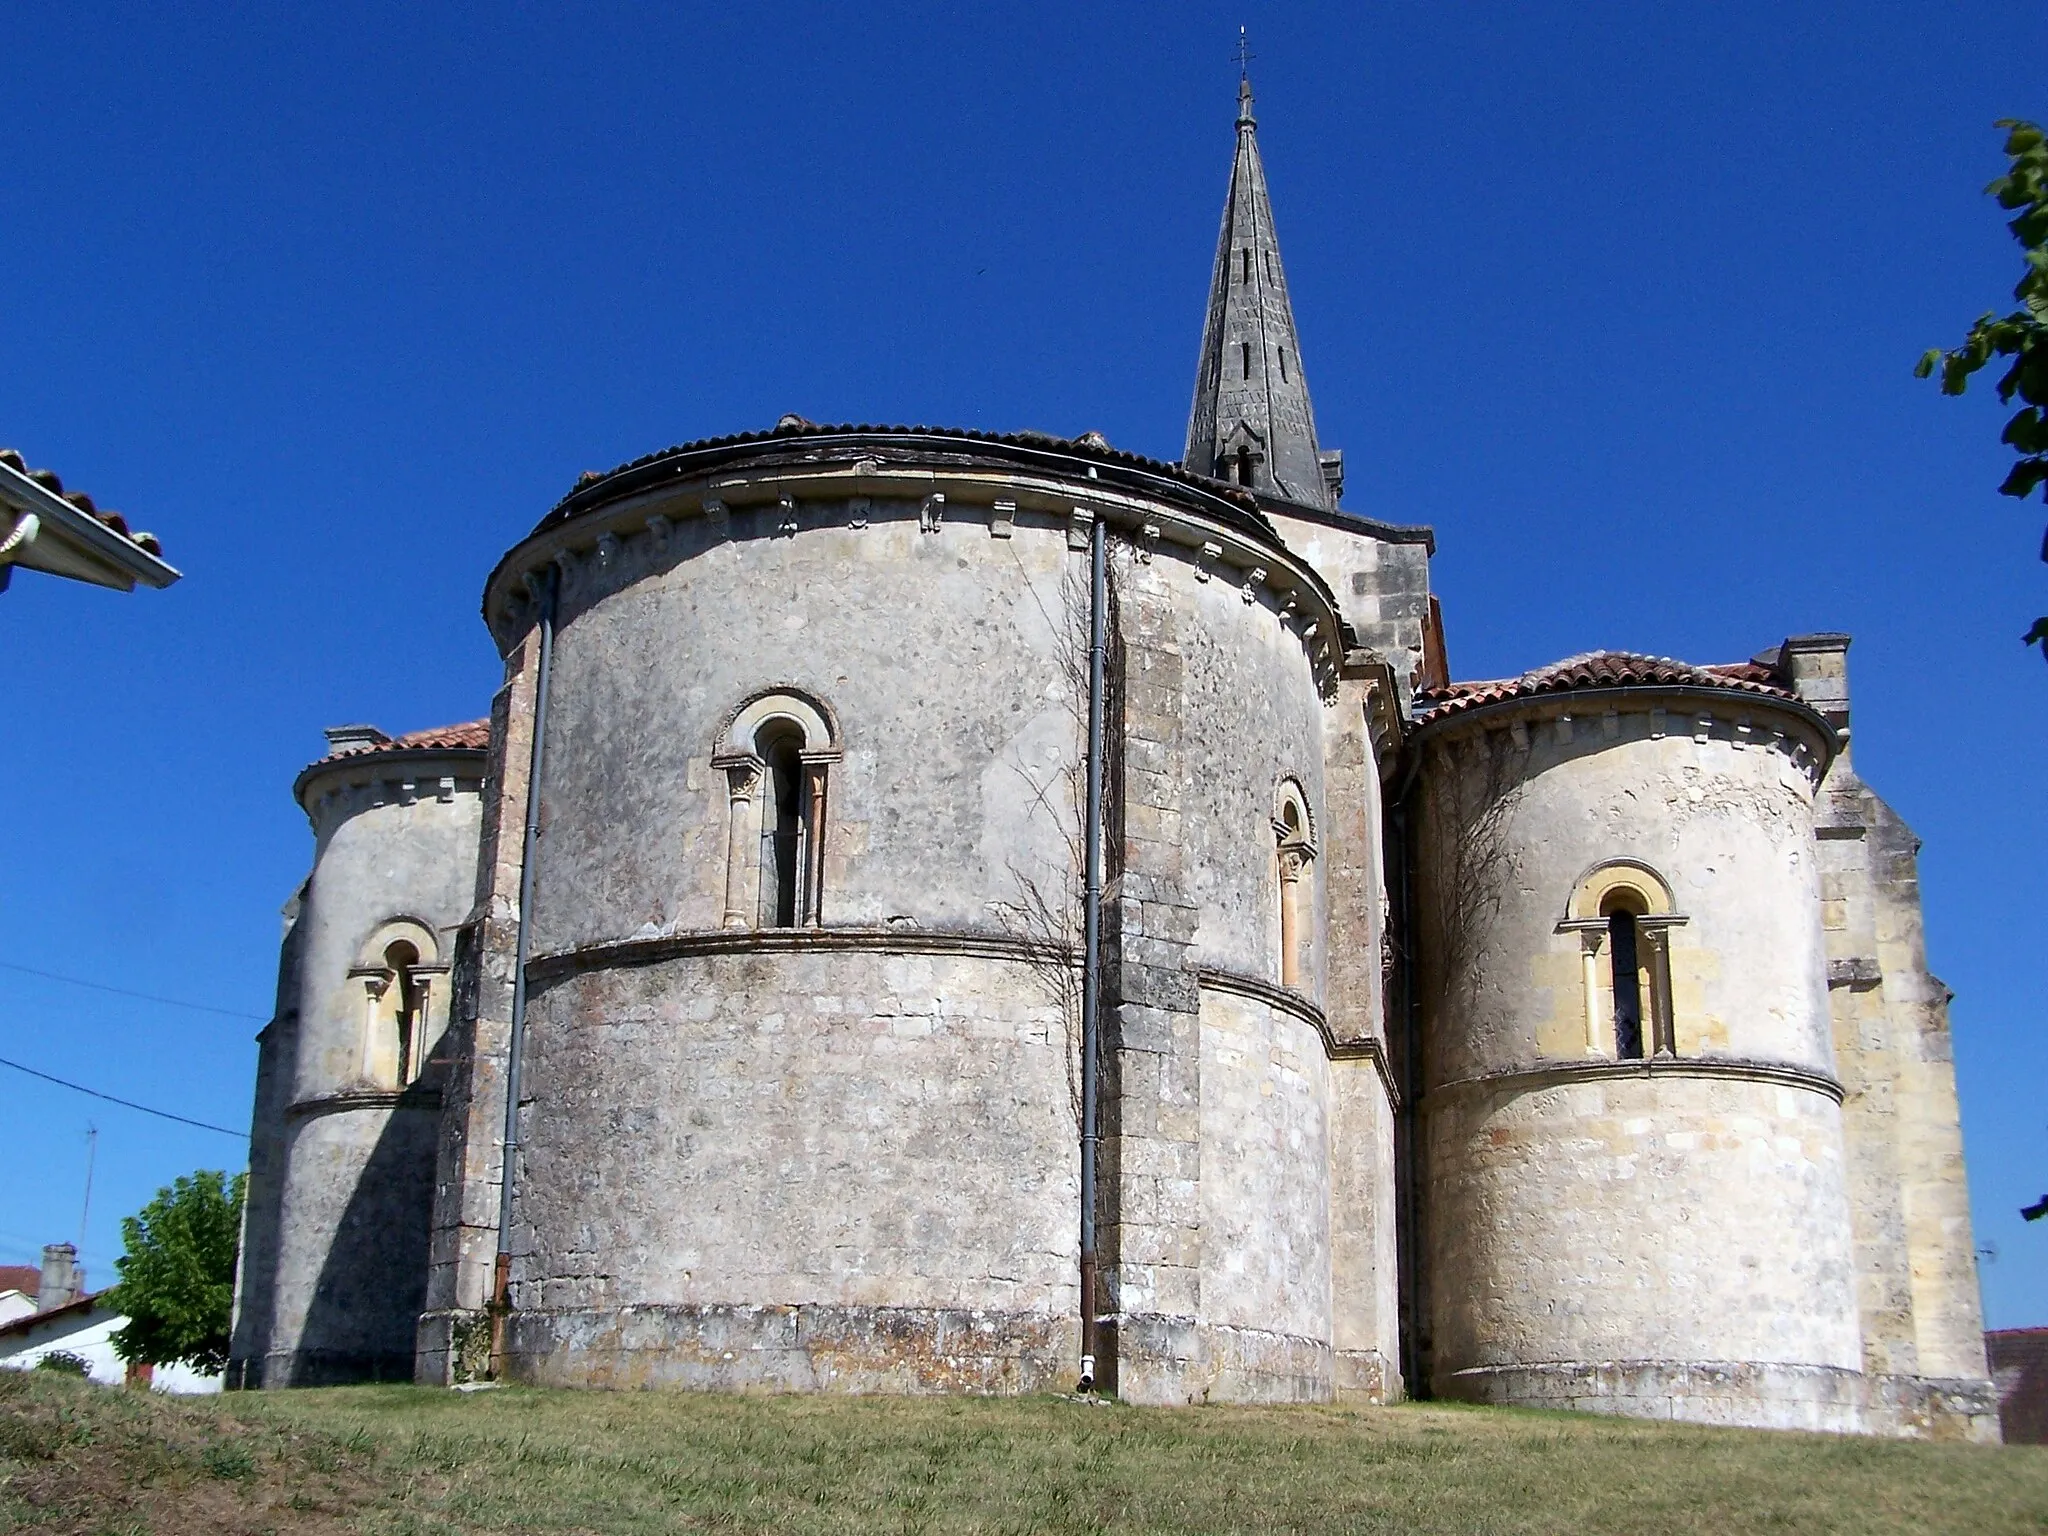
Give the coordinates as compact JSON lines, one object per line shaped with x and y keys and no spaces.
{"x":1603,"y":669}
{"x":114,"y":521}
{"x":469,"y":736}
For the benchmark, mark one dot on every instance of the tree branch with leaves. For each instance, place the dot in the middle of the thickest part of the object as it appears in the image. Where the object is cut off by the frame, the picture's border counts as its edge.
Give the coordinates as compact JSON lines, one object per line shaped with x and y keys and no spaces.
{"x":177,"y":1278}
{"x":2021,"y":335}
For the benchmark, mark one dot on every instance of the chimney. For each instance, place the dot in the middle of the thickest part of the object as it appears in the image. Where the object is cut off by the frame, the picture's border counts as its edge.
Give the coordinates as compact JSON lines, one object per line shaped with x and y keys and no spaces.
{"x":63,"y":1279}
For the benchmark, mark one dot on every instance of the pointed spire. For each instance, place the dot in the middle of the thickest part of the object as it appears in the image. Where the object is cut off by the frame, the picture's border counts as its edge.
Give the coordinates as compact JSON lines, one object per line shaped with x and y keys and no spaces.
{"x":1252,"y":421}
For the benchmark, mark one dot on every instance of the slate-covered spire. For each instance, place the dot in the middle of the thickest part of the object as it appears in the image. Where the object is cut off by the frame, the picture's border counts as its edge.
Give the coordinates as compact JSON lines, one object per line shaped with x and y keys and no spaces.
{"x":1252,"y":421}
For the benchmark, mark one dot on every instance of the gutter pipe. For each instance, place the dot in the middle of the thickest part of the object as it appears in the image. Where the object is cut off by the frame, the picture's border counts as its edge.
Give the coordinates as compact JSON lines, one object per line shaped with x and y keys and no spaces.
{"x":1091,"y":972}
{"x":501,"y":1282}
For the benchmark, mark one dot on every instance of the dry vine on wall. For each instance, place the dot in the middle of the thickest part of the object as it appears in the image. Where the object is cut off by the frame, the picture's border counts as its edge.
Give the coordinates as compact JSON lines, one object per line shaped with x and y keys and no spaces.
{"x":1046,"y":912}
{"x":1470,"y":792}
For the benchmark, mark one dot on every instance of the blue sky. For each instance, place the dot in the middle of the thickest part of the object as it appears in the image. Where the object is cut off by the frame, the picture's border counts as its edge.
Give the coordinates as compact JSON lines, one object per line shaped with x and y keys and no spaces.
{"x":1622,"y":299}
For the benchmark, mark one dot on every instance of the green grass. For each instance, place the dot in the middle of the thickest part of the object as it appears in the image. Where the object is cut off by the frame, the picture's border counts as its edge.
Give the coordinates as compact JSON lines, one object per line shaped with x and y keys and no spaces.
{"x":403,"y":1460}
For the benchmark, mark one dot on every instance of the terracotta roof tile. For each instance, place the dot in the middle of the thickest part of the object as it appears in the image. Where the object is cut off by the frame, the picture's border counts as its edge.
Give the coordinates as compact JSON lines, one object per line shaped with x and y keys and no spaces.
{"x":469,"y":736}
{"x":114,"y":521}
{"x":1603,"y":669}
{"x":1092,"y":444}
{"x":25,"y":1278}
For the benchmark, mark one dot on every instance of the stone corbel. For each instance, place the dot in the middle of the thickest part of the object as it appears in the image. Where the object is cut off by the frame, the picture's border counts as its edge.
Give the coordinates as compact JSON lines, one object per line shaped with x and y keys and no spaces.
{"x":658,"y":530}
{"x":1148,"y":542}
{"x":1002,"y":520}
{"x":857,"y":512}
{"x":718,"y":518}
{"x":1080,"y":525}
{"x":607,"y":551}
{"x":1252,"y":579}
{"x":1205,"y":561}
{"x":931,"y":513}
{"x":785,"y":520}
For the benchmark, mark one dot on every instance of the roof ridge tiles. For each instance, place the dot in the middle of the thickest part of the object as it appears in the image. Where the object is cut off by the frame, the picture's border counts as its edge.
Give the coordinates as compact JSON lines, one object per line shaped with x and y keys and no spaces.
{"x":1604,"y":669}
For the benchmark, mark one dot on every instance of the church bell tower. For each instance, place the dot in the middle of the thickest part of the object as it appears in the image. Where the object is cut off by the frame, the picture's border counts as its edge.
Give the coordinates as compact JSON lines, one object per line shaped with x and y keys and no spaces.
{"x":1252,"y":421}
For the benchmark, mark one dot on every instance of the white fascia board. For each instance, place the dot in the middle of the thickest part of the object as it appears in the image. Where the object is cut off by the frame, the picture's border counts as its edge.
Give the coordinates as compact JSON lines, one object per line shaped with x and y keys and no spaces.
{"x":97,"y":553}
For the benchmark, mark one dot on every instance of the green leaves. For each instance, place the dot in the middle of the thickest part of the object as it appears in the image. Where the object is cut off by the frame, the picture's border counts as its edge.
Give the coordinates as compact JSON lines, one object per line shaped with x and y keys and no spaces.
{"x":177,"y":1280}
{"x":2022,"y":335}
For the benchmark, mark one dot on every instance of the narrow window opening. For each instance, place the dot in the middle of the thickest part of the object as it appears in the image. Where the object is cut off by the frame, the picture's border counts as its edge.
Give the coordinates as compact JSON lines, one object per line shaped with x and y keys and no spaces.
{"x":1247,"y":265}
{"x":782,"y":828}
{"x":1283,"y":365}
{"x":1628,"y":986}
{"x":1244,"y":466}
{"x":1245,"y":353}
{"x":401,"y":958}
{"x":1269,"y":266}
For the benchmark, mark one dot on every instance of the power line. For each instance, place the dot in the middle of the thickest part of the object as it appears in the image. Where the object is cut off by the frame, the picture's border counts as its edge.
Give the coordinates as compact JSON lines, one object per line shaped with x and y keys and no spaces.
{"x":147,"y":997}
{"x":161,"y":1114}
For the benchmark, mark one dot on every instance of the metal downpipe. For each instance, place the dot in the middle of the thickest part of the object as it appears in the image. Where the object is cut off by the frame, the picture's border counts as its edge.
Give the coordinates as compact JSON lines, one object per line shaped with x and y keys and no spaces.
{"x":501,"y":1280}
{"x":1091,"y":962}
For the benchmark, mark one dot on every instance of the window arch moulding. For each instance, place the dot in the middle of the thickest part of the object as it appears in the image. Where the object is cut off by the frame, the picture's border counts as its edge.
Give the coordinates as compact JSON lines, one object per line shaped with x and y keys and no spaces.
{"x":776,"y":750}
{"x":404,"y":993}
{"x":1622,"y":912}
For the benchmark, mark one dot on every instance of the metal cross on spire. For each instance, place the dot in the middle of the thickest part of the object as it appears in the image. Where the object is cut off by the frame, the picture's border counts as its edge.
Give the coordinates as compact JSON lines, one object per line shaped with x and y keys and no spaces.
{"x":1244,"y":55}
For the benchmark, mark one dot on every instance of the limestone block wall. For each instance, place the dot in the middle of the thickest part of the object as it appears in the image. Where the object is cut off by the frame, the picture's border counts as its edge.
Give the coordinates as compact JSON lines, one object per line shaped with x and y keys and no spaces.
{"x":1266,"y":1281}
{"x":943,"y":655}
{"x":1380,"y":573}
{"x":1682,"y":1214}
{"x":396,"y":849}
{"x":1652,"y":1218}
{"x":1221,"y":1240}
{"x":262,"y":1205}
{"x":842,"y":1153}
{"x":1915,"y":1256}
{"x":453,"y":1336}
{"x":836,"y":1168}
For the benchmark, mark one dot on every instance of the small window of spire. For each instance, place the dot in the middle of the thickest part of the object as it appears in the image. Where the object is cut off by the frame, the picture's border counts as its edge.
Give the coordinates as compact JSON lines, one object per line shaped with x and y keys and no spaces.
{"x":1245,"y":351}
{"x":1283,"y":365}
{"x":1244,"y":466}
{"x":1269,"y":265}
{"x":1247,"y":264}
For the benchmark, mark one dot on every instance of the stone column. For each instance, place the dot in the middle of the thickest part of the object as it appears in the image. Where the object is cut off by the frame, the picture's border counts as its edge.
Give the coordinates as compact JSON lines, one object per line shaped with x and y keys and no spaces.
{"x":742,"y":774}
{"x":1655,"y":957}
{"x":1293,"y":860}
{"x":1589,"y":958}
{"x":813,"y":913}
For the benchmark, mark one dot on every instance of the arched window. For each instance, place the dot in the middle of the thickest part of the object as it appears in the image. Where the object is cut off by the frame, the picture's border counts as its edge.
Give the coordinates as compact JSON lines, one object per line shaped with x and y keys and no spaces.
{"x":776,"y":751}
{"x":783,"y":828}
{"x":1622,"y":912}
{"x":399,"y":970}
{"x":1295,"y":850}
{"x":1244,"y":466}
{"x":1621,"y":908}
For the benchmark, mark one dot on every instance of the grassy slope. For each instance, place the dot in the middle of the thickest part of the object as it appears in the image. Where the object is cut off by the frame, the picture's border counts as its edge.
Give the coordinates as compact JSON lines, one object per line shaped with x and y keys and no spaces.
{"x":75,"y":1458}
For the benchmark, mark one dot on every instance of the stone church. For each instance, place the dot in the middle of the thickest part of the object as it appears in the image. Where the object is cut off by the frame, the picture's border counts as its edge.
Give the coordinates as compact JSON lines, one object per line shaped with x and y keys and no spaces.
{"x":1087,"y":934}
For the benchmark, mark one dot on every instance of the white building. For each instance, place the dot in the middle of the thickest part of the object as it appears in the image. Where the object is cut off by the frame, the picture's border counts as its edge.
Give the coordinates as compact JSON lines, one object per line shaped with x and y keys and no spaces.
{"x":77,"y":1323}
